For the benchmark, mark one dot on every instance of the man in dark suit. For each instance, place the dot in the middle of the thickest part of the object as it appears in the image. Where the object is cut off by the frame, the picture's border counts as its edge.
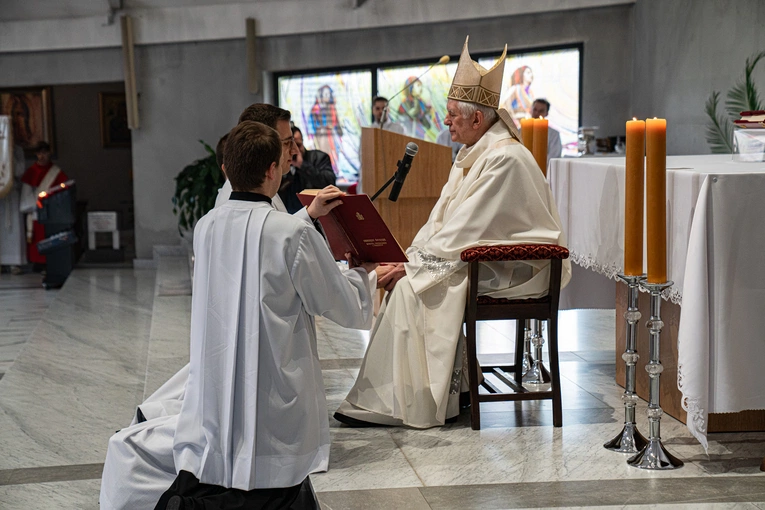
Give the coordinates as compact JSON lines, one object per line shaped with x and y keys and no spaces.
{"x":310,"y":170}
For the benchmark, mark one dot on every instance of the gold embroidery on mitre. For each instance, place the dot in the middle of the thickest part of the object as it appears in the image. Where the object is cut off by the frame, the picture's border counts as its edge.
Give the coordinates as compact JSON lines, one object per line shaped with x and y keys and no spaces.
{"x":474,"y":84}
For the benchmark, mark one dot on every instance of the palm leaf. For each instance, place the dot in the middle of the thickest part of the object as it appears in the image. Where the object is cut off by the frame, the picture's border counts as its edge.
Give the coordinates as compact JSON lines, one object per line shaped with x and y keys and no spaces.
{"x":720,"y":129}
{"x":744,"y":96}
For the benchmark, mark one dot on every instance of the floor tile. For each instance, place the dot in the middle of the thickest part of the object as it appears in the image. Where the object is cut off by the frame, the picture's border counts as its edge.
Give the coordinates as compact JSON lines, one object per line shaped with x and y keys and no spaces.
{"x":381,"y":499}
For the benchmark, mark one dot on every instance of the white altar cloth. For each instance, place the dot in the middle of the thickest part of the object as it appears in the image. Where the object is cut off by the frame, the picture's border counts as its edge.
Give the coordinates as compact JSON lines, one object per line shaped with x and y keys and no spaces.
{"x":716,"y":257}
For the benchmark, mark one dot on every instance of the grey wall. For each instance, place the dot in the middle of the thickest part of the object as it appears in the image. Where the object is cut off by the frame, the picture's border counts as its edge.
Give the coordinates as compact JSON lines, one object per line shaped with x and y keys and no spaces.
{"x":103,"y":175}
{"x":187,"y":92}
{"x":195,"y":91}
{"x":685,"y":49}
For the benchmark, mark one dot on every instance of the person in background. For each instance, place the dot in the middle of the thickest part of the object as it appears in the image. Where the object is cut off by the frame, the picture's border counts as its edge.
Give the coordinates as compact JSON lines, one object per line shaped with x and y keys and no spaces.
{"x":13,"y":246}
{"x":42,"y":175}
{"x":541,"y":108}
{"x":381,"y":117}
{"x":309,"y":170}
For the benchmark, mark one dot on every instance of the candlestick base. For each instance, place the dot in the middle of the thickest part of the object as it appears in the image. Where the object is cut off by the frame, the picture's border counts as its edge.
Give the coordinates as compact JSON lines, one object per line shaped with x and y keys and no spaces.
{"x":655,"y":457}
{"x":537,"y":374}
{"x":629,"y":440}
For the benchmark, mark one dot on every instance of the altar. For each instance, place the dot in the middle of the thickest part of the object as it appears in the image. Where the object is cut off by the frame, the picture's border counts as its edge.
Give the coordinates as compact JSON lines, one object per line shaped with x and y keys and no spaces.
{"x":715,"y":252}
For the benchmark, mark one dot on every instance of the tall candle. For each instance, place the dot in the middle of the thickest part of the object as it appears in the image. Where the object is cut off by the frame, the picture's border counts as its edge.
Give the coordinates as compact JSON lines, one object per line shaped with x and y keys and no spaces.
{"x":633,"y":198}
{"x":540,"y":144}
{"x":527,"y":133}
{"x":656,"y":198}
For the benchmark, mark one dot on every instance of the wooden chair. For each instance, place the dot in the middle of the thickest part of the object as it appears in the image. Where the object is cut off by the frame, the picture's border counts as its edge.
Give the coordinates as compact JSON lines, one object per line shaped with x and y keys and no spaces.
{"x":498,"y":383}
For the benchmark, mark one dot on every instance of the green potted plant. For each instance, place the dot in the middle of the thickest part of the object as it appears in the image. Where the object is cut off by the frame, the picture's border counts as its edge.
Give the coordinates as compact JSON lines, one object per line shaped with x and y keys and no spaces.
{"x":742,"y":97}
{"x":196,"y":188}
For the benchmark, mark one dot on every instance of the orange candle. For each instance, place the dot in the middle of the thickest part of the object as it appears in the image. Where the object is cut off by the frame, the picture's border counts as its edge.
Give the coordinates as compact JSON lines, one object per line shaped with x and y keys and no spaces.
{"x":656,"y":198}
{"x":540,"y":144}
{"x":527,"y":133}
{"x":633,"y":198}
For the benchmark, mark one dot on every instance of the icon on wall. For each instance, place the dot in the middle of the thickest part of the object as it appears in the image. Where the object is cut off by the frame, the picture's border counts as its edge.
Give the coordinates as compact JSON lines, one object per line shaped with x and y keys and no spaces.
{"x":31,"y":116}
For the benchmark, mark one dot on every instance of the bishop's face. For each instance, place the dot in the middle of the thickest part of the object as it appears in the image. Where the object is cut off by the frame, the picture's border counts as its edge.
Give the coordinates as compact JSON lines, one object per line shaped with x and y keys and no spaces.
{"x":460,"y":128}
{"x":288,"y":145}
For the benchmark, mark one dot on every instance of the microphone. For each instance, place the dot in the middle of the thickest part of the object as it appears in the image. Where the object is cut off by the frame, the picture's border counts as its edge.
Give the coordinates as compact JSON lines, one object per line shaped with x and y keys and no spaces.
{"x":403,"y":169}
{"x":443,"y":60}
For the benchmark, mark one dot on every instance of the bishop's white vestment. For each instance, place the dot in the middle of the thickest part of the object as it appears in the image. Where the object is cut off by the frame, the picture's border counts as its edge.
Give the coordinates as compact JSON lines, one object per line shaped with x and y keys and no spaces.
{"x":253,"y":413}
{"x":496,"y":194}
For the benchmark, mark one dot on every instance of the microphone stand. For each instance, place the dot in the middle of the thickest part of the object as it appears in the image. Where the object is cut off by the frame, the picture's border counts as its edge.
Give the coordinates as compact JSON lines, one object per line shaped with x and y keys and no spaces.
{"x":384,"y":186}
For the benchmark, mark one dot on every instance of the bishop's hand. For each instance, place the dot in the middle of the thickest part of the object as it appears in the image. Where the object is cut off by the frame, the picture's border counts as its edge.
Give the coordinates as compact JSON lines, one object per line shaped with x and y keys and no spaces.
{"x":389,"y":275}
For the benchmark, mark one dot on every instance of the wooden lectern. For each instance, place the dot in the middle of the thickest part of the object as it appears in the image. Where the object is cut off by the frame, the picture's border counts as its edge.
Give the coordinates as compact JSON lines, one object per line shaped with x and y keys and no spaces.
{"x":380,"y":153}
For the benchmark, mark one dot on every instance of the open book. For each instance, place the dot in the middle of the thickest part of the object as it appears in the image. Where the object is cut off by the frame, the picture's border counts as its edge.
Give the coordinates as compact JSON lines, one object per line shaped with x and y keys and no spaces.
{"x":355,"y":226}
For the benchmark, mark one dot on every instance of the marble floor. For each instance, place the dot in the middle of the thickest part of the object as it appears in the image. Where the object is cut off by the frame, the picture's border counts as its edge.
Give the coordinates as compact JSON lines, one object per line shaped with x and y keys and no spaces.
{"x":86,"y":355}
{"x":23,"y":302}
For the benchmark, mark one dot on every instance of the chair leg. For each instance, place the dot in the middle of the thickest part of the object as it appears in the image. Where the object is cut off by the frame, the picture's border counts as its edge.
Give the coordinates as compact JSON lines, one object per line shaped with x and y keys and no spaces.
{"x":555,"y":370}
{"x":473,"y":367}
{"x":520,"y":335}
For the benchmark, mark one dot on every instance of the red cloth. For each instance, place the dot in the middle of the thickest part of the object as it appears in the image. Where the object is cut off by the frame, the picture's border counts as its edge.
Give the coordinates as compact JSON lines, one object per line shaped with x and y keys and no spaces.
{"x":34,"y":176}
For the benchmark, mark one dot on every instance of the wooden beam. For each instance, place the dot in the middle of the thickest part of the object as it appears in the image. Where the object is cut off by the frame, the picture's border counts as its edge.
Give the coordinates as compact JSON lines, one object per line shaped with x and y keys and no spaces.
{"x":128,"y":68}
{"x":253,"y":76}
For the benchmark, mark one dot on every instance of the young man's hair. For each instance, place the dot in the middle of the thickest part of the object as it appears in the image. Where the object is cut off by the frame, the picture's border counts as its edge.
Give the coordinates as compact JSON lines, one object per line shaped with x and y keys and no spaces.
{"x":379,"y":98}
{"x":42,"y":147}
{"x":219,"y":149}
{"x":251,"y":149}
{"x":267,"y":114}
{"x":296,"y":129}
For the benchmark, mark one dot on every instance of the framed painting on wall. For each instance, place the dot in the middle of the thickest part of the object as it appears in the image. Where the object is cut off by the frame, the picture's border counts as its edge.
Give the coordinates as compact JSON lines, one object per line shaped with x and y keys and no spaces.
{"x":112,"y":107}
{"x":31,"y":116}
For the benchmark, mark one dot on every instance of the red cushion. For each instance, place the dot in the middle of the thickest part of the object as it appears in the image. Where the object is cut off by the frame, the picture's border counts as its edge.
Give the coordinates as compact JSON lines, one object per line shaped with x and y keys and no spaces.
{"x":514,"y":252}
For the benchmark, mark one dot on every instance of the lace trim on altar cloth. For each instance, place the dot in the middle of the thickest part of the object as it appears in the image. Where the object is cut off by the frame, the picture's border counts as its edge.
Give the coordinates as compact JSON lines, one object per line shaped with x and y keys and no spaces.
{"x":439,"y":269}
{"x":611,"y":270}
{"x":696,"y":419}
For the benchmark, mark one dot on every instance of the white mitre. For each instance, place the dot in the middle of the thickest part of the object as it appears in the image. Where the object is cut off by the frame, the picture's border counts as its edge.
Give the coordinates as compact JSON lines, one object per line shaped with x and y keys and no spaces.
{"x":473,"y":83}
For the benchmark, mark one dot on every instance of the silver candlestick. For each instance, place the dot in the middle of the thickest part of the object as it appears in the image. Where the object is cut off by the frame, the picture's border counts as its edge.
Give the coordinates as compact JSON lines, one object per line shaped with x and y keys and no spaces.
{"x":537,"y":374}
{"x":630,"y":440}
{"x":654,"y":455}
{"x":527,"y":361}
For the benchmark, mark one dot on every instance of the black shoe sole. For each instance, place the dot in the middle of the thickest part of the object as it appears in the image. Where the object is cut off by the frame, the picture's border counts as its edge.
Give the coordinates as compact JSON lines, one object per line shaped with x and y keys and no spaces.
{"x":353,"y":422}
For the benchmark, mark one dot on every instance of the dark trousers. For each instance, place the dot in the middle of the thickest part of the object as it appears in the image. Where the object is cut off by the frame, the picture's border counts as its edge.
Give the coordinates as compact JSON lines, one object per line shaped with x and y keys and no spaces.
{"x":187,"y":493}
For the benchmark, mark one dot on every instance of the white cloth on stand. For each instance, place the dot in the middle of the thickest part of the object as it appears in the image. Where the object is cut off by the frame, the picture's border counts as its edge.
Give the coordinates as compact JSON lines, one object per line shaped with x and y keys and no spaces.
{"x":714,"y":256}
{"x":13,"y":244}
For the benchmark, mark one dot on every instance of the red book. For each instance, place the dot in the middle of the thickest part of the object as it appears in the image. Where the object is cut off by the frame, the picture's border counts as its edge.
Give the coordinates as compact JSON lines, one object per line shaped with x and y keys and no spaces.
{"x":355,"y":226}
{"x":753,"y":119}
